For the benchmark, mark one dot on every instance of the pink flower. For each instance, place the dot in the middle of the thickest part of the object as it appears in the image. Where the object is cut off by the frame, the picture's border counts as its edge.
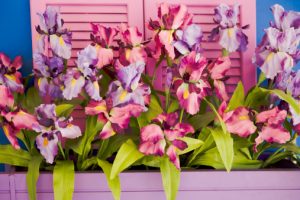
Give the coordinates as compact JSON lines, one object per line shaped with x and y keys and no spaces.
{"x":132,"y":50}
{"x":104,"y":38}
{"x":237,"y":121}
{"x":273,"y":130}
{"x":154,"y":137}
{"x":170,"y":19}
{"x":114,"y":119}
{"x":191,"y":87}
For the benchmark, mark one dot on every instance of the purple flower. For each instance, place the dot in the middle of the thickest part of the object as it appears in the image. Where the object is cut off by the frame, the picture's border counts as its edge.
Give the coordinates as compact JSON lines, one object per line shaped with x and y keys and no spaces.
{"x":231,"y":37}
{"x":188,"y":39}
{"x":49,"y":75}
{"x":85,"y":75}
{"x":285,"y":19}
{"x":9,"y":76}
{"x":128,"y":89}
{"x":51,"y":27}
{"x":277,"y":50}
{"x":52,"y":129}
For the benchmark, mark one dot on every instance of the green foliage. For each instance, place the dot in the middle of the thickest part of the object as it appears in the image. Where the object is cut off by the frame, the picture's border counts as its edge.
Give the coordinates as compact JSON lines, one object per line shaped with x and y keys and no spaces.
{"x":31,"y":99}
{"x":201,"y":120}
{"x":64,"y":110}
{"x":12,"y":156}
{"x":126,"y":156}
{"x":63,"y":180}
{"x":237,"y":98}
{"x":257,"y":97}
{"x":33,"y":175}
{"x":170,"y":178}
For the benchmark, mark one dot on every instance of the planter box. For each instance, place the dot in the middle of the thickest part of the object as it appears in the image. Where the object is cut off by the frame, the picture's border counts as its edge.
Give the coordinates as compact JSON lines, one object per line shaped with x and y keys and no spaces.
{"x":206,"y":185}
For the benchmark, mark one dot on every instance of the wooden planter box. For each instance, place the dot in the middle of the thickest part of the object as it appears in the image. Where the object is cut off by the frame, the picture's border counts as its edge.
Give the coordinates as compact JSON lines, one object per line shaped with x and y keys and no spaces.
{"x":206,"y":185}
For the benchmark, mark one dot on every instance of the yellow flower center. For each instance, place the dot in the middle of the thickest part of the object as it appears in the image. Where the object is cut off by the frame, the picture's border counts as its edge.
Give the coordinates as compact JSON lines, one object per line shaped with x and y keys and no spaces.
{"x":46,"y":141}
{"x":230,"y":32}
{"x":186,"y":94}
{"x":123,"y":95}
{"x":61,"y":41}
{"x":269,"y":57}
{"x":127,"y":53}
{"x":243,"y":117}
{"x":10,"y":77}
{"x":73,"y":82}
{"x":100,"y":108}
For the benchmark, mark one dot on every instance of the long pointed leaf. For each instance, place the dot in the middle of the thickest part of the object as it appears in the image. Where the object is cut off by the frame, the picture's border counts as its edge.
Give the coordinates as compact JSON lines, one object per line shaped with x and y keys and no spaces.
{"x":127,"y":155}
{"x":170,"y":178}
{"x":63,"y":180}
{"x":237,"y":98}
{"x":114,"y":184}
{"x":33,"y":175}
{"x":11,"y":156}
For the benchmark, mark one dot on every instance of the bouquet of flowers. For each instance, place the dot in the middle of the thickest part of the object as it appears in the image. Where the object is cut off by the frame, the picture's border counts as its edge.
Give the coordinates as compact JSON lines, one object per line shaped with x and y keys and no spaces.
{"x":193,"y":123}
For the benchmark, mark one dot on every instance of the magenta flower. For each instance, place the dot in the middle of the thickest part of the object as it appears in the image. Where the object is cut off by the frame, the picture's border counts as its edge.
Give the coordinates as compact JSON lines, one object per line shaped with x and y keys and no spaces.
{"x":50,"y":28}
{"x":131,"y":48}
{"x":9,"y":76}
{"x":155,"y":137}
{"x":217,"y":71}
{"x":13,"y":119}
{"x":170,"y":19}
{"x":237,"y":121}
{"x":285,"y":19}
{"x":84,"y":76}
{"x":231,"y":37}
{"x":128,"y":88}
{"x":191,"y":87}
{"x":104,"y":37}
{"x":272,"y":130}
{"x":49,"y":74}
{"x":115,"y":119}
{"x":188,"y":39}
{"x":52,"y":130}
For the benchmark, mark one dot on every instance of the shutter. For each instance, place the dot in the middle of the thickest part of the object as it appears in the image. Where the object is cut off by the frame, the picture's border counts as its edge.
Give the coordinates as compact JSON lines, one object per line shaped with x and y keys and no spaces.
{"x":242,"y":67}
{"x":78,"y":14}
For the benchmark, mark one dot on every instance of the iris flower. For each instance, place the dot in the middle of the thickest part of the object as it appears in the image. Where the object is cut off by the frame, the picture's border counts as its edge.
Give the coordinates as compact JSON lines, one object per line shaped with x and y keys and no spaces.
{"x":191,"y":87}
{"x":128,"y":88}
{"x":231,"y":36}
{"x":115,"y":119}
{"x":9,"y":76}
{"x":103,"y":37}
{"x":167,"y":132}
{"x":51,"y":29}
{"x":52,"y":129}
{"x":84,"y":76}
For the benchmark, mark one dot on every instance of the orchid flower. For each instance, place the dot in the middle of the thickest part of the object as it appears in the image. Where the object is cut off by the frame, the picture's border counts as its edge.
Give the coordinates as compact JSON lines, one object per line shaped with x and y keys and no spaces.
{"x":132,"y":50}
{"x":49,"y":74}
{"x":155,"y":137}
{"x":231,"y":37}
{"x":52,"y":129}
{"x":217,"y":71}
{"x":104,"y":37}
{"x":170,"y":19}
{"x":278,"y":50}
{"x":128,"y":88}
{"x":272,"y":129}
{"x":13,"y":119}
{"x":188,"y":39}
{"x":115,"y":119}
{"x":51,"y":28}
{"x":237,"y":121}
{"x":190,"y":86}
{"x":9,"y":76}
{"x":84,"y":76}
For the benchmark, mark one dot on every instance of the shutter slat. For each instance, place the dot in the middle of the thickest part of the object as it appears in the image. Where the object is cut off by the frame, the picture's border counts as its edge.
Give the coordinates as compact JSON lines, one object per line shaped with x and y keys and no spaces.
{"x":99,"y":17}
{"x":93,"y":9}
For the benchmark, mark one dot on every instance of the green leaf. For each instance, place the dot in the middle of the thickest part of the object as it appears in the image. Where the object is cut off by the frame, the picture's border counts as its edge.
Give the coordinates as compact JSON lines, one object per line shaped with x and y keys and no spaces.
{"x":173,"y":106}
{"x":150,"y":161}
{"x":256,"y":98}
{"x":114,"y":184}
{"x":224,"y":143}
{"x":12,"y":156}
{"x":153,"y":110}
{"x":127,"y":155}
{"x":218,"y":116}
{"x":64,"y":110}
{"x":262,"y":78}
{"x":201,"y":120}
{"x":33,"y":175}
{"x":192,"y":144}
{"x":287,"y":98}
{"x":63,"y":180}
{"x":237,"y":98}
{"x":170,"y":178}
{"x":31,"y":100}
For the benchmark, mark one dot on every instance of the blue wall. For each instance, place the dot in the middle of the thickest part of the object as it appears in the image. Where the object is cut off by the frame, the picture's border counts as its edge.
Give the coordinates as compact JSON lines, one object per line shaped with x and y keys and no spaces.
{"x":15,"y":34}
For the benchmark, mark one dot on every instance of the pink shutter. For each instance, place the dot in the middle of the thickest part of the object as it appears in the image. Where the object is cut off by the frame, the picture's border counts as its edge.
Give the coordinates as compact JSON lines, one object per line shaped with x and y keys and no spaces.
{"x":203,"y":10}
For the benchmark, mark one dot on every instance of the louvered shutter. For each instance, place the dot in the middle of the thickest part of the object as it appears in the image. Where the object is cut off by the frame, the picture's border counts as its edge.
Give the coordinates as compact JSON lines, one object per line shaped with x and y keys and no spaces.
{"x":78,"y":14}
{"x":203,"y":10}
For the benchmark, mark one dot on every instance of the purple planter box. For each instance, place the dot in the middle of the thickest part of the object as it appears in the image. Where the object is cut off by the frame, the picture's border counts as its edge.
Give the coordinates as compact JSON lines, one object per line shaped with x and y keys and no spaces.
{"x":206,"y":185}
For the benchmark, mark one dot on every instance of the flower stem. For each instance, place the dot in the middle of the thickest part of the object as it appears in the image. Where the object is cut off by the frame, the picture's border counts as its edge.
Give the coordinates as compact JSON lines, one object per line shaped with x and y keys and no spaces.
{"x":225,"y":52}
{"x":61,"y":150}
{"x":181,"y":115}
